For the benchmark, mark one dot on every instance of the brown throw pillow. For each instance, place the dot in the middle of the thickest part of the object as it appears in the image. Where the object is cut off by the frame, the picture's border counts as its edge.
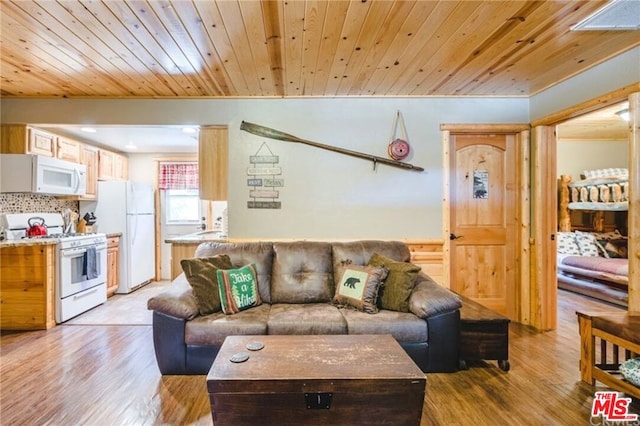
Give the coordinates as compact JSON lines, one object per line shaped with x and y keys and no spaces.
{"x":201,"y":274}
{"x":358,"y":287}
{"x":394,"y":294}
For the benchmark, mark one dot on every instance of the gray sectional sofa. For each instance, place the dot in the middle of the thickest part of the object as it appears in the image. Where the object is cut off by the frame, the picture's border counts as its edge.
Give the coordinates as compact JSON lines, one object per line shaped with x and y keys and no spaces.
{"x":296,"y":282}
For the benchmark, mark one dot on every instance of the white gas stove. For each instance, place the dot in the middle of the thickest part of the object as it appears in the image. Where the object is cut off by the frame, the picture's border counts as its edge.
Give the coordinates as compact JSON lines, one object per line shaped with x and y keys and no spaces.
{"x":81,"y":261}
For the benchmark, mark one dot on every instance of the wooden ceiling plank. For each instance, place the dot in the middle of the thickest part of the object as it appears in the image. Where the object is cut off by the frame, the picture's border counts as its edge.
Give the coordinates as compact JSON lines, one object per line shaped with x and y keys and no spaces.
{"x":176,"y":60}
{"x":30,"y":48}
{"x":188,"y":39}
{"x":59,"y":17}
{"x":516,"y":34}
{"x":365,"y":42}
{"x":562,"y":66}
{"x":314,"y":22}
{"x":483,"y":28}
{"x":568,"y":62}
{"x":196,"y":30}
{"x":293,"y":44}
{"x":114,"y":31}
{"x":236,"y":31}
{"x":332,"y":28}
{"x":407,"y":35}
{"x":355,"y":17}
{"x":388,"y":32}
{"x":421,"y":46}
{"x":23,"y":80}
{"x":219,"y":38}
{"x":54,"y":45}
{"x":273,"y":15}
{"x":139,"y":37}
{"x":40,"y":70}
{"x":101,"y":22}
{"x":546,"y":30}
{"x":255,"y":28}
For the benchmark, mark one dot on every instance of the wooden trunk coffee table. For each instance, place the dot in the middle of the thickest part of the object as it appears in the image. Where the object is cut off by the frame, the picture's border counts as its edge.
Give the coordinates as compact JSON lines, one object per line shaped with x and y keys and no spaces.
{"x":316,"y":380}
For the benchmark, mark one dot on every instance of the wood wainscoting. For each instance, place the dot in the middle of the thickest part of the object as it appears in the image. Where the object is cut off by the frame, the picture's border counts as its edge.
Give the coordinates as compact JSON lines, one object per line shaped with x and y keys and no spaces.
{"x":428,"y":255}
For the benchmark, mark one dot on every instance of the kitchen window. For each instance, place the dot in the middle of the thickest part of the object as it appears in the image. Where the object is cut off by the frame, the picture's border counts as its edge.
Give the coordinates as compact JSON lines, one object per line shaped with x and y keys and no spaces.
{"x":179,"y":183}
{"x":182,"y":206}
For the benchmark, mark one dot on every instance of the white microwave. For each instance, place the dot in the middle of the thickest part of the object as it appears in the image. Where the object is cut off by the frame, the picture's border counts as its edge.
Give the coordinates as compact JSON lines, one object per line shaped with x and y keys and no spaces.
{"x":39,"y":174}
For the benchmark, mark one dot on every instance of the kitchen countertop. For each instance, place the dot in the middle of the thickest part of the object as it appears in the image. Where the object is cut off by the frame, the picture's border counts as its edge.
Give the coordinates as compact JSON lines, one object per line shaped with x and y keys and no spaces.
{"x":41,"y":241}
{"x":198,"y":237}
{"x":29,"y":242}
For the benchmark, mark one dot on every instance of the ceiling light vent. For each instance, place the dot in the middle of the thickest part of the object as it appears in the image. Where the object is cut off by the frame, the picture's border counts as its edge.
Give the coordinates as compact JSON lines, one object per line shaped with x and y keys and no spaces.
{"x":618,"y":15}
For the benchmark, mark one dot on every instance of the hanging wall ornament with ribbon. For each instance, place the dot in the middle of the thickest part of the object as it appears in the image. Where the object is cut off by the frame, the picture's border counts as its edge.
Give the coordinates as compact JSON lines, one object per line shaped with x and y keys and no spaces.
{"x":398,"y":148}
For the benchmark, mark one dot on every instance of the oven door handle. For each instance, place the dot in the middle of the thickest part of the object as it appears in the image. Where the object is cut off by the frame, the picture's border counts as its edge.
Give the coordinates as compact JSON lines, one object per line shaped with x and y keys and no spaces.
{"x":75,"y":252}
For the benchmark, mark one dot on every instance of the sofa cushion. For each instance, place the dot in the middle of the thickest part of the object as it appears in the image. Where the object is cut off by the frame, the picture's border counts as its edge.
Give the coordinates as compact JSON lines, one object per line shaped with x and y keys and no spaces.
{"x":359,"y":252}
{"x":311,"y":318}
{"x":358,"y":287}
{"x":201,"y":275}
{"x":404,"y":327}
{"x":259,"y":253}
{"x":394,"y":294}
{"x":212,"y":329}
{"x":302,"y":272}
{"x":238,"y":289}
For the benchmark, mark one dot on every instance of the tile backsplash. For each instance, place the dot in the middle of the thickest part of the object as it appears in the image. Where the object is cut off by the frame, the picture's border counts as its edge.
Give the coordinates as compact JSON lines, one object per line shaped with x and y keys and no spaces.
{"x":35,"y":203}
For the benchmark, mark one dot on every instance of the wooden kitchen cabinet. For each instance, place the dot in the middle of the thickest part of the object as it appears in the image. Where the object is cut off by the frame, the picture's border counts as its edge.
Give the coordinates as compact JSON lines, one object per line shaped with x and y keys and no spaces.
{"x":89,"y":157}
{"x":120,"y":167}
{"x":113,"y":266}
{"x":112,"y":166}
{"x":27,"y":287}
{"x":22,"y":139}
{"x":213,"y":164}
{"x":105,"y":164}
{"x":69,"y":150}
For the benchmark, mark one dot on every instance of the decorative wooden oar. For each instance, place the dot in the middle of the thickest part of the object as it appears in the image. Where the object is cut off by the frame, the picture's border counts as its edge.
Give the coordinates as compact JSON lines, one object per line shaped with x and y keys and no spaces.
{"x":267,"y":132}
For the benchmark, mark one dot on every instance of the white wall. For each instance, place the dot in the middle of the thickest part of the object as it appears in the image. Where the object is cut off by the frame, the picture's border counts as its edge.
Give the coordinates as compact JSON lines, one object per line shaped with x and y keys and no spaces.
{"x":592,"y":155}
{"x":325,"y":195}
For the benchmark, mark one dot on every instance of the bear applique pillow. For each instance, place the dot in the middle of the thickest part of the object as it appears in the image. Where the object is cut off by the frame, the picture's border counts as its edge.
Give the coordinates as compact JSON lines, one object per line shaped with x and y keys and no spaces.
{"x":358,"y":287}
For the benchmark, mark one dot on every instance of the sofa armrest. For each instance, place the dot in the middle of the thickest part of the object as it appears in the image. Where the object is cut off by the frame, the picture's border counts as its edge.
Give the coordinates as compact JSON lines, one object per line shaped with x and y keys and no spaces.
{"x":430,"y":298}
{"x":177,"y":300}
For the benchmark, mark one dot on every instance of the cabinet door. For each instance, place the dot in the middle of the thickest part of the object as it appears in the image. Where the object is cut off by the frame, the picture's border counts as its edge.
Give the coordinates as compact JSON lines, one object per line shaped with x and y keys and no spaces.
{"x":89,"y":158}
{"x":42,"y":143}
{"x":105,"y":165}
{"x":68,"y":149}
{"x":213,"y":166}
{"x":113,"y":269}
{"x":120,"y":167}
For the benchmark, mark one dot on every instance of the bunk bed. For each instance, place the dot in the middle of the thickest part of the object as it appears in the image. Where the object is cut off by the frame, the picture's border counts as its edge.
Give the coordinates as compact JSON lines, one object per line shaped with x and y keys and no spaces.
{"x":594,"y":262}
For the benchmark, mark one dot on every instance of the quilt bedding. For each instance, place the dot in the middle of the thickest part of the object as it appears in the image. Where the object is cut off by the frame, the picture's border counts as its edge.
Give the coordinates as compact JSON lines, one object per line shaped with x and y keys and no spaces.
{"x":618,"y":267}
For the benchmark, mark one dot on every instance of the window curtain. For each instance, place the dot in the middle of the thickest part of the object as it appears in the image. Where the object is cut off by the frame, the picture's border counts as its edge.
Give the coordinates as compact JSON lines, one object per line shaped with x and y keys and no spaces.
{"x":178,"y":176}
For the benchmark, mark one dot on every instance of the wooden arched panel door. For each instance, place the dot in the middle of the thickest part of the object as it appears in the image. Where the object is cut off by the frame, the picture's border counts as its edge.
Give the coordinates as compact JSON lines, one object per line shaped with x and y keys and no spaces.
{"x":482,"y":219}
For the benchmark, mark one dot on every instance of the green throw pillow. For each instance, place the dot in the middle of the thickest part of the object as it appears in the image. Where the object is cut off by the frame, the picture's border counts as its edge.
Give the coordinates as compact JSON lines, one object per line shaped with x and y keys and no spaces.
{"x":358,"y":287}
{"x":238,"y":289}
{"x":399,"y":284}
{"x":201,"y":274}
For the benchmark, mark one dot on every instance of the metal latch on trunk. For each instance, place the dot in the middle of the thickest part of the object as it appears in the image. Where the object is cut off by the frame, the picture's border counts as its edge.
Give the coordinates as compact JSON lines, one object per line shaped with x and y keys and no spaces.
{"x":318,"y":401}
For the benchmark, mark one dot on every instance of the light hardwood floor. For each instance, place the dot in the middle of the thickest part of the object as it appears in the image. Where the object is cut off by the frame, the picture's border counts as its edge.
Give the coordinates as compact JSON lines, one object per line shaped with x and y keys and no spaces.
{"x":106,"y":375}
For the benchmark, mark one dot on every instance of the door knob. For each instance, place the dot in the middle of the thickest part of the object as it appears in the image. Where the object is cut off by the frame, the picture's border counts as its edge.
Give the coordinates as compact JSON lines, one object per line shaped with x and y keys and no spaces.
{"x":453,"y":236}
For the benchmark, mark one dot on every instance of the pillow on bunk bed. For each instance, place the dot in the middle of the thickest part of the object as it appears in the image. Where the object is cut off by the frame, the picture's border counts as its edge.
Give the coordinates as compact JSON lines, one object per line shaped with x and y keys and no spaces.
{"x":588,"y":244}
{"x":621,"y":173}
{"x":567,"y":244}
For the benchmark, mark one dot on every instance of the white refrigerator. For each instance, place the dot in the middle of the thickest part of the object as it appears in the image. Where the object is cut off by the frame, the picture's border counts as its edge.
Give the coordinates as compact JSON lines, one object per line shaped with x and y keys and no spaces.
{"x":128,"y":207}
